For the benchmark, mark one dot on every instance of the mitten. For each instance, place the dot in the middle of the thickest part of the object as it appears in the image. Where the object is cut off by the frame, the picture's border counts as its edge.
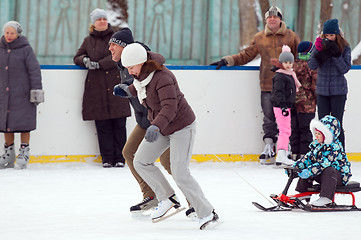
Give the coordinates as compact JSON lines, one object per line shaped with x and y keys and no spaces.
{"x":152,"y":133}
{"x":220,"y":63}
{"x":36,"y":96}
{"x":122,"y":90}
{"x":304,"y":174}
{"x":93,"y":65}
{"x":318,"y":44}
{"x":285,"y":112}
{"x":86,"y":62}
{"x":334,"y":49}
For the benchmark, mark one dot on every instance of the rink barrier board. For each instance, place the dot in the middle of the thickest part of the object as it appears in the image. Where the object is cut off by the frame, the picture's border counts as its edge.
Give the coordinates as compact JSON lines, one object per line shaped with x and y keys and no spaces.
{"x":42,"y":156}
{"x":352,"y":157}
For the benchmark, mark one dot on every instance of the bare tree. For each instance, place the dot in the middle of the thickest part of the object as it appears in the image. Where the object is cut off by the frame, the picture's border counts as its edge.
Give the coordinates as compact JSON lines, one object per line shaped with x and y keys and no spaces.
{"x":325,"y":12}
{"x":122,"y":7}
{"x":248,"y":21}
{"x":264,"y":8}
{"x":301,"y":19}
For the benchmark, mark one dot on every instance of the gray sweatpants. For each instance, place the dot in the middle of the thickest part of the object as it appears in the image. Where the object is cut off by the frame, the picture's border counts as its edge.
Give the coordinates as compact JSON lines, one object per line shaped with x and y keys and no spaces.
{"x":181,"y":145}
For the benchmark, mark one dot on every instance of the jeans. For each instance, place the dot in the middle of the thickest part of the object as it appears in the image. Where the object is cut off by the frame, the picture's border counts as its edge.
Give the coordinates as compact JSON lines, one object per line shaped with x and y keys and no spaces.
{"x":269,"y":120}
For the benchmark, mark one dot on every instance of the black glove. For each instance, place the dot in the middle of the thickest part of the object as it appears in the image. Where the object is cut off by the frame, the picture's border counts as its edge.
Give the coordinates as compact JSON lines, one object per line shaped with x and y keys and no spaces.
{"x":285,"y":112}
{"x":334,"y":49}
{"x":122,"y":90}
{"x":292,"y":171}
{"x":220,"y":63}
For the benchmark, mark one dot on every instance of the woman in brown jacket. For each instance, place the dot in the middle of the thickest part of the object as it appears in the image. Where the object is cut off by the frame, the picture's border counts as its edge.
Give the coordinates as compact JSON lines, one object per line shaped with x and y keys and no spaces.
{"x":99,"y":103}
{"x":172,"y":125}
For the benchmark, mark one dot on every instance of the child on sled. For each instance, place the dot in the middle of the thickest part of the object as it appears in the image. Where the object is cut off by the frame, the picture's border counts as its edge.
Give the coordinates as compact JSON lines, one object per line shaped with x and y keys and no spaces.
{"x":326,"y":162}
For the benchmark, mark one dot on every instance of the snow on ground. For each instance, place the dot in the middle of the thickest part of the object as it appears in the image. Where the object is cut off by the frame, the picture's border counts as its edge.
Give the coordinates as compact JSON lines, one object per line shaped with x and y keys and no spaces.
{"x":72,"y":201}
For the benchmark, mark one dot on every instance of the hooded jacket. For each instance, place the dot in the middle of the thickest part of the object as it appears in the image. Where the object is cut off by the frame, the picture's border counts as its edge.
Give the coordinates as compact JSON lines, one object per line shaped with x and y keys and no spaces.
{"x":327,"y":154}
{"x":167,"y":107}
{"x":19,"y":73}
{"x":268,"y":45}
{"x":99,"y":103}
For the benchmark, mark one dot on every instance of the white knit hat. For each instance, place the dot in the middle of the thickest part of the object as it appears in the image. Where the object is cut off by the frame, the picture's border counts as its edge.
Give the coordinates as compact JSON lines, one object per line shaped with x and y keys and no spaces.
{"x":15,"y":25}
{"x":133,"y":54}
{"x":97,"y":13}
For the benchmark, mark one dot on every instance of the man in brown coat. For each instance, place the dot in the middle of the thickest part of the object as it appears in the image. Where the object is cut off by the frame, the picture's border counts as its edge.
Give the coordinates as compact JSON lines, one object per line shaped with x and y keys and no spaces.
{"x":268,"y":44}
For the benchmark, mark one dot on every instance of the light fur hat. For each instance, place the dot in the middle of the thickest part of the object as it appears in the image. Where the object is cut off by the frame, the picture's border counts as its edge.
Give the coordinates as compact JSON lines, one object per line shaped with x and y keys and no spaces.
{"x":133,"y":54}
{"x":286,"y":55}
{"x":97,"y":13}
{"x":15,"y":25}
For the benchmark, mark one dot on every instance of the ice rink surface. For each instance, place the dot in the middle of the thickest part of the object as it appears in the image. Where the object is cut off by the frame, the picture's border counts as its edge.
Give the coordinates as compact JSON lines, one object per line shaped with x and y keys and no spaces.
{"x":73,"y":201}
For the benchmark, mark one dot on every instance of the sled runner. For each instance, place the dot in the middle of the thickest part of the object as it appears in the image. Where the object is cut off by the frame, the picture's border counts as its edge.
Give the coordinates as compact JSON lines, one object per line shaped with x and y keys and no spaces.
{"x":300,"y":201}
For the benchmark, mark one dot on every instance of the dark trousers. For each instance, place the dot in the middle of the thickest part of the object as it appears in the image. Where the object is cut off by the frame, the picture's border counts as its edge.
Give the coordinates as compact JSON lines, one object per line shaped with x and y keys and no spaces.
{"x":335,"y":106}
{"x":112,"y":135}
{"x":329,"y":179}
{"x":301,"y":136}
{"x":269,"y":120}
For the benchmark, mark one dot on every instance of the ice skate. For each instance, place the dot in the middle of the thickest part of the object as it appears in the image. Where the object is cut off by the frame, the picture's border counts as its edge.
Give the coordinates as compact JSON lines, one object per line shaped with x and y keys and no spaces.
{"x":191,"y":213}
{"x":119,"y":165}
{"x":23,"y":157}
{"x":107,"y":165}
{"x":321,"y":202}
{"x":8,"y":158}
{"x":148,"y":203}
{"x":268,"y":155}
{"x":282,"y":158}
{"x":162,"y":211}
{"x":209,"y":221}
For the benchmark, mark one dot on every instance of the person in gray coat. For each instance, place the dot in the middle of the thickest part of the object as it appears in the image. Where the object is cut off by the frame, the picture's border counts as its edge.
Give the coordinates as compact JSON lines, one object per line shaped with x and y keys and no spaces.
{"x":20,"y":93}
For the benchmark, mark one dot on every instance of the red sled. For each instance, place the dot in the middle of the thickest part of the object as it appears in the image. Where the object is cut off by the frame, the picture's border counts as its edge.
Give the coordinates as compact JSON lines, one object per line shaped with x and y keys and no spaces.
{"x":301,"y":200}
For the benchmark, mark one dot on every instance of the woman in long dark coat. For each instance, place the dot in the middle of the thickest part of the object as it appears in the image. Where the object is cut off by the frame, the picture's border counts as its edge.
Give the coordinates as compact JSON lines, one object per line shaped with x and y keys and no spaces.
{"x":20,"y":92}
{"x":99,"y":103}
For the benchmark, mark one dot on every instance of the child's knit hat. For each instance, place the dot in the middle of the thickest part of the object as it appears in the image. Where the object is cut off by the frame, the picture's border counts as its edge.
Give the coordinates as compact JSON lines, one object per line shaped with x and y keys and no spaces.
{"x":304,"y":50}
{"x":286,"y":55}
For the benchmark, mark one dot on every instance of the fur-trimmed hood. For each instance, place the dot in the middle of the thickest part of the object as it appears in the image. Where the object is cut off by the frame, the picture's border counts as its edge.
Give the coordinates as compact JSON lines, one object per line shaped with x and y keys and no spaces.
{"x":329,"y":126}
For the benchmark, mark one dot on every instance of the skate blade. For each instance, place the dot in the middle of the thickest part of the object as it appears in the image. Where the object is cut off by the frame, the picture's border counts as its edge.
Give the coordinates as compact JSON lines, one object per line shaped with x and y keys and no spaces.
{"x":193,"y":216}
{"x":269,"y":161}
{"x":168,"y":214}
{"x":141,"y":214}
{"x":211,"y":225}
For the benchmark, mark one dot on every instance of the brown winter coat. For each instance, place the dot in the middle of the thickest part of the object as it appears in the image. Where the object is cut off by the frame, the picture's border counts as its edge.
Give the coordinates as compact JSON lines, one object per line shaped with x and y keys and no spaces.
{"x":167,"y":107}
{"x":306,"y":96}
{"x":99,"y":103}
{"x":268,"y":45}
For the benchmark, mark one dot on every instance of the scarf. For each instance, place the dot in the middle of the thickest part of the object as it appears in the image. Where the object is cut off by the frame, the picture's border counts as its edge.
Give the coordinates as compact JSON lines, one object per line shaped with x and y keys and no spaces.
{"x":293,"y":74}
{"x":140,"y":86}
